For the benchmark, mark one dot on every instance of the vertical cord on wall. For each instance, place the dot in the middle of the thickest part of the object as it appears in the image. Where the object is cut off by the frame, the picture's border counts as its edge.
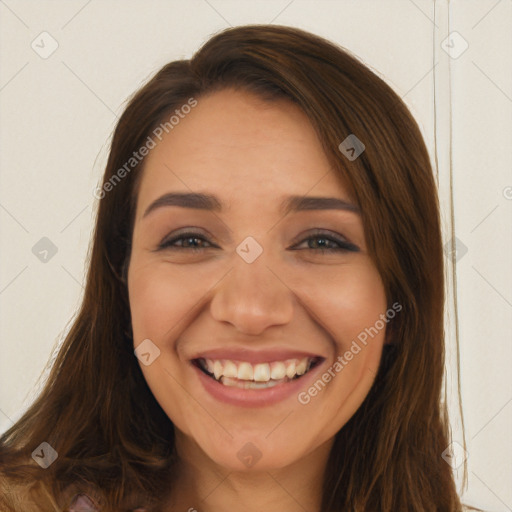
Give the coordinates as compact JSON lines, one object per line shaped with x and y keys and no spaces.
{"x":445,"y":181}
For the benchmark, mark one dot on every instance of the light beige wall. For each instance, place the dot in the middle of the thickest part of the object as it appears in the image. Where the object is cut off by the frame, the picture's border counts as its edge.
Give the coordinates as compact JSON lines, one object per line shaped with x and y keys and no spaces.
{"x":58,"y":110}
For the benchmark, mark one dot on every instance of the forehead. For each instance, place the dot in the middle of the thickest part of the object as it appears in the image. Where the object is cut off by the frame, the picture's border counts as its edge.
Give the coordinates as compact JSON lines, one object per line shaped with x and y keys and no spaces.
{"x":243,"y":149}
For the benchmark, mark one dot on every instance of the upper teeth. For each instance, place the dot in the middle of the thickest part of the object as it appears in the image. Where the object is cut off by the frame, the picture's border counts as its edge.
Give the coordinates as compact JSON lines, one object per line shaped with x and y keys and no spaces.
{"x":261,"y":372}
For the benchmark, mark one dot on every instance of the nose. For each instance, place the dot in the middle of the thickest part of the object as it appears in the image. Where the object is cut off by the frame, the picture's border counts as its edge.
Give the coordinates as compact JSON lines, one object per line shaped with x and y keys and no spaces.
{"x":252,"y":298}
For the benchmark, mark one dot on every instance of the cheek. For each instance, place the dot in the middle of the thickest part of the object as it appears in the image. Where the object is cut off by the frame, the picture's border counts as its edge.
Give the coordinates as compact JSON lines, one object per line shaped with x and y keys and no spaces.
{"x":162,"y":296}
{"x":349,"y":304}
{"x":345,"y":300}
{"x":357,"y":308}
{"x":162,"y":299}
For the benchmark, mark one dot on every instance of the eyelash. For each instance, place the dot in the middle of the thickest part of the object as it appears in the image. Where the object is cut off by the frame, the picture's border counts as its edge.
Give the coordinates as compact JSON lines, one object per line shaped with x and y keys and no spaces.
{"x":344,"y":245}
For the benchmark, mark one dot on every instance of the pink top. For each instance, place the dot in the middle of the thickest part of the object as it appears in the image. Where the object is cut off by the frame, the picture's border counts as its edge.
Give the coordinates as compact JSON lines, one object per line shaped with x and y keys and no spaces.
{"x":83,"y":503}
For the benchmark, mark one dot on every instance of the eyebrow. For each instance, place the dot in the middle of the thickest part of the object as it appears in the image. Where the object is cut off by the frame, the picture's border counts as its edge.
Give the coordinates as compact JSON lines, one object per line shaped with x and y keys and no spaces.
{"x":210,"y":202}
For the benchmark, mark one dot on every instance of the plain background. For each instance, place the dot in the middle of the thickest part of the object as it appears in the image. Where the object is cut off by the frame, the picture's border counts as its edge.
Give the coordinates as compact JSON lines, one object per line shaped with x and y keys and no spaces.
{"x":58,"y":112}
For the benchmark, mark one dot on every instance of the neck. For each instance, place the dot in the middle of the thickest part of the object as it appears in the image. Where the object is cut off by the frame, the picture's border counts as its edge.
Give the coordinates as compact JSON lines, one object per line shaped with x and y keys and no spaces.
{"x":204,"y":486}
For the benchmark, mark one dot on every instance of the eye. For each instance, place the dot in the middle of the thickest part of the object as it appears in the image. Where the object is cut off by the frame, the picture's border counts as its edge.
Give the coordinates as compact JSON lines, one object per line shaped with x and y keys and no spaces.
{"x":326,"y":242}
{"x":186,"y":241}
{"x":321,"y":241}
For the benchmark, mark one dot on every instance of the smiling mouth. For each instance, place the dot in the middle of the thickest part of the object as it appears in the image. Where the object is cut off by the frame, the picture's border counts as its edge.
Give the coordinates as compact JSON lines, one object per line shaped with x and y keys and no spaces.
{"x":245,"y":375}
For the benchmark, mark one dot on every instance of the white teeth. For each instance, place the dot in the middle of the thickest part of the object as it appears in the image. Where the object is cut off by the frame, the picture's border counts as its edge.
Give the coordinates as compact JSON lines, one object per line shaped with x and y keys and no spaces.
{"x":217,"y":369}
{"x":248,"y":384}
{"x":290,"y":368}
{"x":277,"y":370}
{"x":230,"y":369}
{"x":301,"y":367}
{"x":245,"y":371}
{"x":261,"y":372}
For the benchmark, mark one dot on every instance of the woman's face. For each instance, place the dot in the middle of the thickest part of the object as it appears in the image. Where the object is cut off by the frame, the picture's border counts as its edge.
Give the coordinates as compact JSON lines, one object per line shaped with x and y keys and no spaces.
{"x":252,"y":285}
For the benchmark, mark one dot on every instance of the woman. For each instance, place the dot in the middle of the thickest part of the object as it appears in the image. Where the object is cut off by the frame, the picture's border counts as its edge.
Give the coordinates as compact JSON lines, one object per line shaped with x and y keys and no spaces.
{"x":262,"y":324}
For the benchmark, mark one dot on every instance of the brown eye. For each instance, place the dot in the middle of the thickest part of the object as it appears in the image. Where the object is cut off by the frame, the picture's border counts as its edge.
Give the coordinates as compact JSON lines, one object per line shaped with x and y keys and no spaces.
{"x":191,"y":241}
{"x":324,"y":242}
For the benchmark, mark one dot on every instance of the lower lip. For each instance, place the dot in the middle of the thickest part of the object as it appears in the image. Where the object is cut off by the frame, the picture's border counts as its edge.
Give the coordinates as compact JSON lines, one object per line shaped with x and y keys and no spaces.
{"x":255,"y":397}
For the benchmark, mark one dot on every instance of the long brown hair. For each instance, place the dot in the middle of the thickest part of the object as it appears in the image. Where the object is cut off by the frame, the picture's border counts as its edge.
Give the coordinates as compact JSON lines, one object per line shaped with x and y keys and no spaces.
{"x":96,"y":409}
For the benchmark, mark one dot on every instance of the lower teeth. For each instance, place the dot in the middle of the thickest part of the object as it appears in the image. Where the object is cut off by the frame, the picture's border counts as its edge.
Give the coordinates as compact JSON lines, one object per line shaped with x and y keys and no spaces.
{"x":250,"y":384}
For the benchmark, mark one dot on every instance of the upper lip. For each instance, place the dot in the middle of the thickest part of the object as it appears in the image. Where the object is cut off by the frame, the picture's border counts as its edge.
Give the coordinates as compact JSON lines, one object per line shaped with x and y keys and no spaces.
{"x":253,"y":356}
